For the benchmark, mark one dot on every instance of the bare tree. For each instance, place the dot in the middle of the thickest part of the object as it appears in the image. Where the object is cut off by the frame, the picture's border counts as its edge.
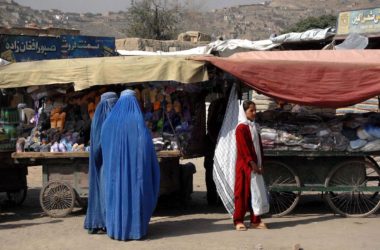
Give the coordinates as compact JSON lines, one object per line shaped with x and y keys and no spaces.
{"x":153,"y":19}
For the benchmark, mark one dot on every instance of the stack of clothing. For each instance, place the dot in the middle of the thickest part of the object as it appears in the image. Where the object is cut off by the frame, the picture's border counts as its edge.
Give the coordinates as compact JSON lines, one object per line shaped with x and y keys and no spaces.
{"x":318,"y":132}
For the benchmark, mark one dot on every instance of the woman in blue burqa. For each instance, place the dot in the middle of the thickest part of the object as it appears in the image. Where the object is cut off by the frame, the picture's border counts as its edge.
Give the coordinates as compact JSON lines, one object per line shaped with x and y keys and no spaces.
{"x":132,"y":177}
{"x":95,"y":217}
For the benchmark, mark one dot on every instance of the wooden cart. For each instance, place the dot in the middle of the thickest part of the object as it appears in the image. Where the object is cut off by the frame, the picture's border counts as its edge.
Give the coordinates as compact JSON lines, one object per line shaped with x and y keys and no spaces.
{"x":65,"y":178}
{"x":350,"y":181}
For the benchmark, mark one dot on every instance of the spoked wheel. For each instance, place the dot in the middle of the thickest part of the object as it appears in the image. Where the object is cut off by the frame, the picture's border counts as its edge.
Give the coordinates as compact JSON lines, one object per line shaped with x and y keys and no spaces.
{"x":355,"y":188}
{"x":81,"y":201}
{"x":17,"y":197}
{"x":282,"y":181}
{"x":57,"y":199}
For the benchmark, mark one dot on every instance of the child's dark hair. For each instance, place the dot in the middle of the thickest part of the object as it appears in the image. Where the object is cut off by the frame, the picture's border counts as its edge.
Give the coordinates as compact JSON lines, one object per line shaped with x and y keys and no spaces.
{"x":248,"y":103}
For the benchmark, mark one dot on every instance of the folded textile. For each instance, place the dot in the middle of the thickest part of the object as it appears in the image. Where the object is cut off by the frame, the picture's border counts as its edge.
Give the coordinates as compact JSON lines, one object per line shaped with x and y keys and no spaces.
{"x":372,"y":146}
{"x":357,"y":143}
{"x":372,"y":130}
{"x":269,"y":136}
{"x":364,"y":135}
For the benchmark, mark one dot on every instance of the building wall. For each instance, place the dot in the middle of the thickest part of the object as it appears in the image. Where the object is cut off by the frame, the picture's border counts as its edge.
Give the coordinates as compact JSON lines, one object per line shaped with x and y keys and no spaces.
{"x":154,"y":45}
{"x":38,"y":32}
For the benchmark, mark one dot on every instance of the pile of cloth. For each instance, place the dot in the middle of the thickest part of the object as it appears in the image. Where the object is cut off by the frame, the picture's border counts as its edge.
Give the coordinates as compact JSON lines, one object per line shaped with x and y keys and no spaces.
{"x":319,"y":132}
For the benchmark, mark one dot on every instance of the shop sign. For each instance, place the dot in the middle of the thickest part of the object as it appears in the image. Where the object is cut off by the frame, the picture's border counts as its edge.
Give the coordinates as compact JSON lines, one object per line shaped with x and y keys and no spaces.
{"x":363,"y":21}
{"x":87,"y":46}
{"x":29,"y":48}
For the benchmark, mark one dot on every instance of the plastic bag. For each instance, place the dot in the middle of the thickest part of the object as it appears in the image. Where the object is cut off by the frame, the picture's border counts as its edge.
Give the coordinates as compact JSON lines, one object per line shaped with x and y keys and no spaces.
{"x":259,"y":195}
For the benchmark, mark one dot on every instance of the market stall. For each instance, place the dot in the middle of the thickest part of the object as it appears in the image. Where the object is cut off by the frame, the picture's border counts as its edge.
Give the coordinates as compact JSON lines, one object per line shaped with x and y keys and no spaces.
{"x":12,"y":177}
{"x":309,"y":152}
{"x":65,"y":94}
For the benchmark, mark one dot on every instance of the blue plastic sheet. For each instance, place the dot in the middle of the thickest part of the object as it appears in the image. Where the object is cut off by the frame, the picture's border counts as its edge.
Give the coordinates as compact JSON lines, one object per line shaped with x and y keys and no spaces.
{"x":132,"y":177}
{"x":95,"y":217}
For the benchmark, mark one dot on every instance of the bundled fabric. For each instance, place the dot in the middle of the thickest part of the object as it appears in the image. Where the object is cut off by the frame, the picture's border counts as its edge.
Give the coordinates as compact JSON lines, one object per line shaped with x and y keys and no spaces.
{"x":131,"y":170}
{"x":372,"y":130}
{"x":371,"y":146}
{"x":259,"y":199}
{"x":95,"y":217}
{"x":357,"y":144}
{"x":303,"y":132}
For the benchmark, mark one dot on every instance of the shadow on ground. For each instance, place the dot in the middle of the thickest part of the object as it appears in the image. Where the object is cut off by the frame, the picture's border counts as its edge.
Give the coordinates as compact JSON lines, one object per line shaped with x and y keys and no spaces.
{"x":167,"y":229}
{"x":311,"y":209}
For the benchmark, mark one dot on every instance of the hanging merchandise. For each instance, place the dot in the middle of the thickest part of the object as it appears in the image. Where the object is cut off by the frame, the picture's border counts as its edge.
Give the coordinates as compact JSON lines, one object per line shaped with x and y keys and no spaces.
{"x":172,"y":114}
{"x":225,"y":154}
{"x":62,"y":123}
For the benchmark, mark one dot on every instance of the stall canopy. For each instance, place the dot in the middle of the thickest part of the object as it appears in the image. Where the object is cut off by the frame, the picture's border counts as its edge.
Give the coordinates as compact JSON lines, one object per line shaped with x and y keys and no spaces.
{"x":88,"y":72}
{"x":326,"y":78}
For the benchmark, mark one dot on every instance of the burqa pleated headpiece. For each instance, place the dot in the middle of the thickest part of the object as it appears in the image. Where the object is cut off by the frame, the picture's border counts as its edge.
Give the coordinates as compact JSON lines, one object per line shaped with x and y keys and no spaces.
{"x":128,"y":92}
{"x":108,"y":95}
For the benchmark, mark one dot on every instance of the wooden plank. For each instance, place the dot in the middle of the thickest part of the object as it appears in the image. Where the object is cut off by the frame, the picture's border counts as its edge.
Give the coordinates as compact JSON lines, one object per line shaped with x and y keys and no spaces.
{"x":49,"y":155}
{"x":169,"y":153}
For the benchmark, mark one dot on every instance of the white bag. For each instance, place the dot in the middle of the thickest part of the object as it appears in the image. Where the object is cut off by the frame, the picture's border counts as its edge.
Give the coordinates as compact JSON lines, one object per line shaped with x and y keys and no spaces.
{"x":259,"y":196}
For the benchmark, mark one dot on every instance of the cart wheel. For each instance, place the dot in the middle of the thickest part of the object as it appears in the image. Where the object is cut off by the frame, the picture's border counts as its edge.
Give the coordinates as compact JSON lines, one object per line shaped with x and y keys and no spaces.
{"x":278,"y":175}
{"x":351,"y":201}
{"x":57,"y":199}
{"x":80,"y":201}
{"x":17,"y":197}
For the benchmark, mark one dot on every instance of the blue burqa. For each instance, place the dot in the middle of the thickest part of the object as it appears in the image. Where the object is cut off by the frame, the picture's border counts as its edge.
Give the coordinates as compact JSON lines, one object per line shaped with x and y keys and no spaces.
{"x":132,"y":176}
{"x":95,"y":217}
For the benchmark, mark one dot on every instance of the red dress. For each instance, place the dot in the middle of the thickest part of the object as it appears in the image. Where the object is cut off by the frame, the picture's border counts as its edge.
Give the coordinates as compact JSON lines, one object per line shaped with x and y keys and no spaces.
{"x":245,"y":153}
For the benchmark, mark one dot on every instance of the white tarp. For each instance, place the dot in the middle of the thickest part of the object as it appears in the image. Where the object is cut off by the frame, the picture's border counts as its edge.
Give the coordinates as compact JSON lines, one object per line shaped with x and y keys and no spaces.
{"x":233,"y":44}
{"x":307,"y":36}
{"x":3,"y":62}
{"x":226,"y":48}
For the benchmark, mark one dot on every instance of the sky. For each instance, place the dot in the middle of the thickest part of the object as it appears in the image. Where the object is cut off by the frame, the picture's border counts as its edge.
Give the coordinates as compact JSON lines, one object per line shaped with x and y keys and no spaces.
{"x":101,"y":6}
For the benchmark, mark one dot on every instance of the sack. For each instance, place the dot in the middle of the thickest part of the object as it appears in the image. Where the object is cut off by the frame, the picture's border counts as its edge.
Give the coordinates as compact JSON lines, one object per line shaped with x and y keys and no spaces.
{"x":259,"y":196}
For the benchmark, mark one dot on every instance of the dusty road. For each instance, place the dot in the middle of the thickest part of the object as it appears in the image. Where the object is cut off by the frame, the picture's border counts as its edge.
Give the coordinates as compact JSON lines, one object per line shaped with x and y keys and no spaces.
{"x":312,"y":225}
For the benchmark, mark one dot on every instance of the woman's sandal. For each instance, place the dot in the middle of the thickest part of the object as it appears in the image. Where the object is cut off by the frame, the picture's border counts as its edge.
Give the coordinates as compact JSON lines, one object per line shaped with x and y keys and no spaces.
{"x":240,"y":227}
{"x":260,"y":225}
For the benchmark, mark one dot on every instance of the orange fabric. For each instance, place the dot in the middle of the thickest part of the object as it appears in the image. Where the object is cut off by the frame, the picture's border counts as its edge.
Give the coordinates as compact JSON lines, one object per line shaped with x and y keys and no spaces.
{"x":91,"y":109}
{"x":156,"y":105}
{"x":325,"y":78}
{"x":61,"y":121}
{"x":53,"y":120}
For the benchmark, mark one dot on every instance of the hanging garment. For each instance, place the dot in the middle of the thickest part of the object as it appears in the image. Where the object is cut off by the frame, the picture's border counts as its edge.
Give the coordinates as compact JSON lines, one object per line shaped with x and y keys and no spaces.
{"x":225,"y":154}
{"x":95,"y":217}
{"x":132,"y":177}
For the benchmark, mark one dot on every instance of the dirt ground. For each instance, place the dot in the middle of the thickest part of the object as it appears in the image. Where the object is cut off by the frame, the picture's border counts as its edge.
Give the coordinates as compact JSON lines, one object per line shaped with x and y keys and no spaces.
{"x":312,"y":225}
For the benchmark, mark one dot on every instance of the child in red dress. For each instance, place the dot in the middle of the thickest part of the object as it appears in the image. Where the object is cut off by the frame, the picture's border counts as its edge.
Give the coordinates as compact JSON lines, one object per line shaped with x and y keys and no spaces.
{"x":248,"y":160}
